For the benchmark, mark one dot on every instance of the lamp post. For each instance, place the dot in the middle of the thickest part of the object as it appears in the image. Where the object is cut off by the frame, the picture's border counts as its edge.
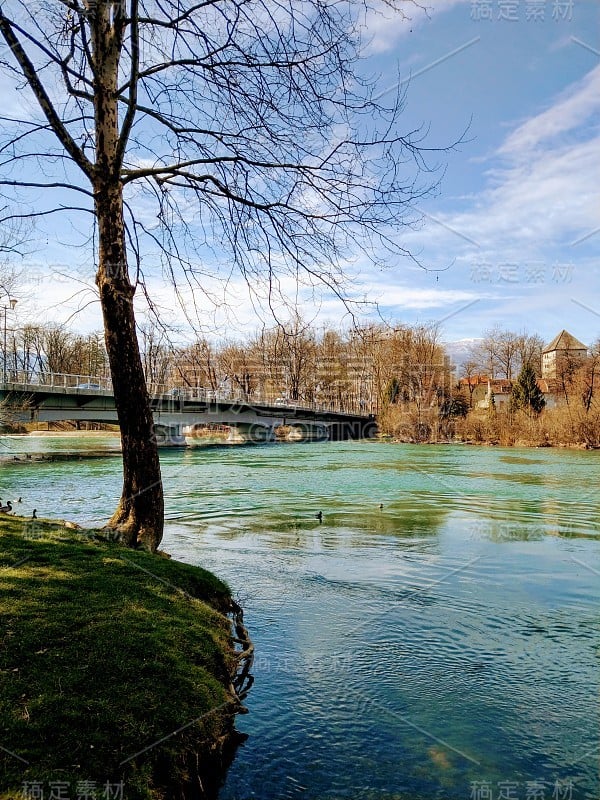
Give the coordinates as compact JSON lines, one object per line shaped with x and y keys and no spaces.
{"x":11,"y":304}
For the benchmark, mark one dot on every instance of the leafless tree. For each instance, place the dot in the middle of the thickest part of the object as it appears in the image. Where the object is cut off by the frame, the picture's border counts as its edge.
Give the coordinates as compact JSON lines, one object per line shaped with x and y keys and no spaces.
{"x":498,"y":353}
{"x":470,"y":371}
{"x":157,"y":354}
{"x":243,"y":126}
{"x":502,"y":353}
{"x":197,"y":366}
{"x":295,"y":345}
{"x":485,"y":355}
{"x":529,"y":349}
{"x":332,"y":381}
{"x":238,"y":370}
{"x":35,"y":350}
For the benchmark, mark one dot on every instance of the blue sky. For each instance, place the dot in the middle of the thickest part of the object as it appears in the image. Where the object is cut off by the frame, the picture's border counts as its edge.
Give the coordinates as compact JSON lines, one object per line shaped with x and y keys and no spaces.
{"x":510,"y":237}
{"x":517,"y":213}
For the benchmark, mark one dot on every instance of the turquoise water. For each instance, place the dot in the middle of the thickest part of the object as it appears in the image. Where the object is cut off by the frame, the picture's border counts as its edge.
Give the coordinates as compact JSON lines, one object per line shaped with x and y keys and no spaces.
{"x":443,"y":646}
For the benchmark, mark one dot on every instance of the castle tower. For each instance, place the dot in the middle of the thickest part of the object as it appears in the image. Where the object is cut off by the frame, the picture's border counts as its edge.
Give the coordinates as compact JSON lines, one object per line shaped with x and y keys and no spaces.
{"x":564,"y":351}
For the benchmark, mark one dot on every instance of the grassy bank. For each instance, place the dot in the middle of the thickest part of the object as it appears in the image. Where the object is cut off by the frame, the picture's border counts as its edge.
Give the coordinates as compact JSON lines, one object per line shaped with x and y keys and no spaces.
{"x":115,"y":669}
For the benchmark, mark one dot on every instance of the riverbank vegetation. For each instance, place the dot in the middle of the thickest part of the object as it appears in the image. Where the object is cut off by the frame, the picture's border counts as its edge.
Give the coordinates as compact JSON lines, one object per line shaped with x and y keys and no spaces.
{"x":556,"y":427}
{"x":116,"y":669}
{"x":504,"y":396}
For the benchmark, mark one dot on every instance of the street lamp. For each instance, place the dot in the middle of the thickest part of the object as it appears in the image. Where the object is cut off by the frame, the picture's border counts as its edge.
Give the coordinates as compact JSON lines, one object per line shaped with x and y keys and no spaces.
{"x":12,"y":303}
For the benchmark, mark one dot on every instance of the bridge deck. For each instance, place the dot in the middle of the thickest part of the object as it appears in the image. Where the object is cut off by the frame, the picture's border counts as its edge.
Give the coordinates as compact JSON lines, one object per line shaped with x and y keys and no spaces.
{"x":82,"y":398}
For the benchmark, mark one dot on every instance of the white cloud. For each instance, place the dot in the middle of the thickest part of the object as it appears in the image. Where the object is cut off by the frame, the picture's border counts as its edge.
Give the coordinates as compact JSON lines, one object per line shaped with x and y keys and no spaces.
{"x":548,"y":199}
{"x":383,"y":28}
{"x":577,"y":105}
{"x":542,"y":192}
{"x":404,"y":297}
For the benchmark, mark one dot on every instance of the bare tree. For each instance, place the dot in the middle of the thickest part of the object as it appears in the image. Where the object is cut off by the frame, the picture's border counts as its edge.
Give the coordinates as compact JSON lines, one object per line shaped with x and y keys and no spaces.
{"x":503,"y":353}
{"x":197,"y":366}
{"x":498,"y":353}
{"x":157,"y":354}
{"x":590,"y":376}
{"x":331,"y":381}
{"x":470,"y":370}
{"x":29,"y":351}
{"x":485,"y":355}
{"x":295,"y":345}
{"x":429,"y":366}
{"x":59,"y":349}
{"x":238,"y":369}
{"x":247,"y":123}
{"x":529,"y":348}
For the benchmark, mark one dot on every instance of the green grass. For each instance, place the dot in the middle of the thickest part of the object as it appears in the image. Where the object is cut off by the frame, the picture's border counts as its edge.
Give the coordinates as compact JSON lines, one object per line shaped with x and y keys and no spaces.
{"x":104,"y":651}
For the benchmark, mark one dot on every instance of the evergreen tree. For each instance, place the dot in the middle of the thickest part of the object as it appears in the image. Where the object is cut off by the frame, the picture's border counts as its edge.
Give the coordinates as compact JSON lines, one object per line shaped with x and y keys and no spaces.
{"x":392,"y":391}
{"x":456,"y":406}
{"x":526,"y":394}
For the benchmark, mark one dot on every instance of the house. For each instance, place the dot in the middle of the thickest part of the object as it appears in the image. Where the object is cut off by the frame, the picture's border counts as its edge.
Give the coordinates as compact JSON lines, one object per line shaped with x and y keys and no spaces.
{"x":552,"y":391}
{"x":473,"y":388}
{"x":480,"y":388}
{"x":562,"y":354}
{"x":500,"y":390}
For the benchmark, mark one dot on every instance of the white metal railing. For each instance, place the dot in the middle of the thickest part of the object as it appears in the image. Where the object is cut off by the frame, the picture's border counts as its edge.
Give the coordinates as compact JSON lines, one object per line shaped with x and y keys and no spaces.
{"x":23,"y":380}
{"x":57,"y":380}
{"x":202,"y":394}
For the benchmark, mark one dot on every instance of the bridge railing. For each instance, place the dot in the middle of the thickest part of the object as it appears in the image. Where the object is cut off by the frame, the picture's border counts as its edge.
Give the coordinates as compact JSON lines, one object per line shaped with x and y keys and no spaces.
{"x":202,"y":394}
{"x":57,"y":380}
{"x":22,"y":380}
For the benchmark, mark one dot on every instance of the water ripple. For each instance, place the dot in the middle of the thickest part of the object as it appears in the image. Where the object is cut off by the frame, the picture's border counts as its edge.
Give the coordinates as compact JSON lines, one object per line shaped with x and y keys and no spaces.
{"x":401,"y":652}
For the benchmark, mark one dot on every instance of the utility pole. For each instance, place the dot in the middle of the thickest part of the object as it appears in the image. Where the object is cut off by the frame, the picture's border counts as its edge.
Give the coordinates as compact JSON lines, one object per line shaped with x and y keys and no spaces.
{"x":11,"y":304}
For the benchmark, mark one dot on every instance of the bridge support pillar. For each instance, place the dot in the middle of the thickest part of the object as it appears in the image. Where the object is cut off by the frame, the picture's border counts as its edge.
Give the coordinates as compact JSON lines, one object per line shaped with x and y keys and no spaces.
{"x":169,"y":435}
{"x":308,"y":432}
{"x":251,"y":432}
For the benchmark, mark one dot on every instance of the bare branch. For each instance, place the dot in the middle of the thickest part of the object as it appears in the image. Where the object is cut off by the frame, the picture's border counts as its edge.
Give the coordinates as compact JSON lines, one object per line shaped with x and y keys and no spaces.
{"x":133,"y":83}
{"x":55,"y":185}
{"x":38,"y":89}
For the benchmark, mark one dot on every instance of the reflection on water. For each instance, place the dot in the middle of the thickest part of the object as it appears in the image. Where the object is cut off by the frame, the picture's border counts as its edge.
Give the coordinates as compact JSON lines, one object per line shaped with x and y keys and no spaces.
{"x":443,"y":645}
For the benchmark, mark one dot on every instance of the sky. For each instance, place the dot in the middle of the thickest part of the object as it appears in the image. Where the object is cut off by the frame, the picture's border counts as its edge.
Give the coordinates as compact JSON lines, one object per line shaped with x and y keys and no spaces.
{"x":512,"y":234}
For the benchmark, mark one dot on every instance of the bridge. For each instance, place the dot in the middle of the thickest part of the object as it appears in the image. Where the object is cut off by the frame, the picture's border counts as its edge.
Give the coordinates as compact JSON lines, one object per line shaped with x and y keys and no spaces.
{"x":52,"y":397}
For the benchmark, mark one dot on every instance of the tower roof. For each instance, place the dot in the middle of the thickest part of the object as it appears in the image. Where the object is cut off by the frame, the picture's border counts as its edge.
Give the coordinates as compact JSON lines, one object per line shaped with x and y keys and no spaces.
{"x":564,"y":341}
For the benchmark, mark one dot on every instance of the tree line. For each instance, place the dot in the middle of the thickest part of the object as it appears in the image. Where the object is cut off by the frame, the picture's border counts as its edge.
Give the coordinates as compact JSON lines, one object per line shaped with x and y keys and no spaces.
{"x":360,"y":370}
{"x":563,"y":409}
{"x":364,"y":369}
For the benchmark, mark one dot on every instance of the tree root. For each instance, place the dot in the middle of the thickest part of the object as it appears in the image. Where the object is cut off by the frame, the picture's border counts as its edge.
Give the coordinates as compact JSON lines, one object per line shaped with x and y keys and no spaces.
{"x":241,"y":679}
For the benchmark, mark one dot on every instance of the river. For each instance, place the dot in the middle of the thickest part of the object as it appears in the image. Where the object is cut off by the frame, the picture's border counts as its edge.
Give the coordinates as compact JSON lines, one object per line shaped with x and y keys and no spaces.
{"x":444,"y":645}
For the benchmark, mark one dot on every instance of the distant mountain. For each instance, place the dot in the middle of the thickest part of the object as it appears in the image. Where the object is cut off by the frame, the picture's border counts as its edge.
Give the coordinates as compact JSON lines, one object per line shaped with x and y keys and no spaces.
{"x":460,"y":351}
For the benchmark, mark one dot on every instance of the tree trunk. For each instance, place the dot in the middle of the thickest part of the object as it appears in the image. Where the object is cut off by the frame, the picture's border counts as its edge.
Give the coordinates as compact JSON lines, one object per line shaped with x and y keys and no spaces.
{"x":139,"y":517}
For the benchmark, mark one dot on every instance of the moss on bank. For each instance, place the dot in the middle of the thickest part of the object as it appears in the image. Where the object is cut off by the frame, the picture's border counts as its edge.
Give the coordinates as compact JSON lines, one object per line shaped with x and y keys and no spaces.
{"x":115,"y":669}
